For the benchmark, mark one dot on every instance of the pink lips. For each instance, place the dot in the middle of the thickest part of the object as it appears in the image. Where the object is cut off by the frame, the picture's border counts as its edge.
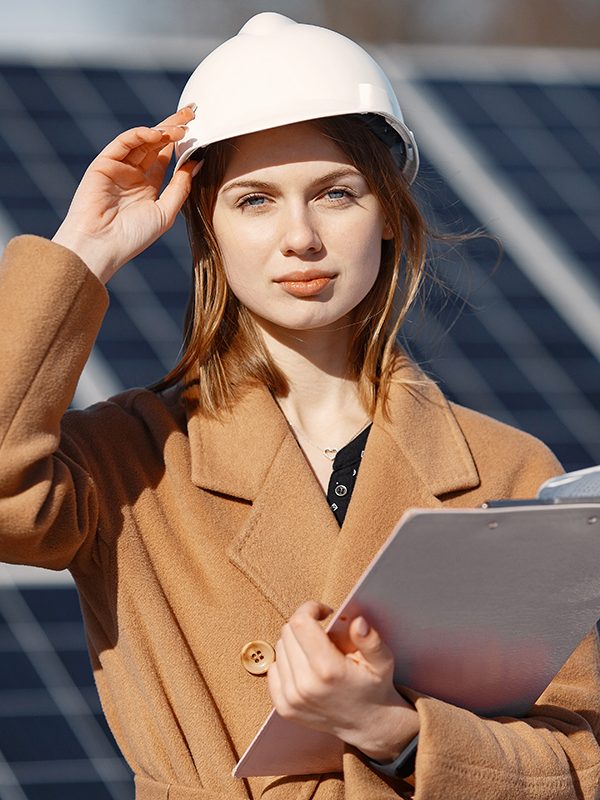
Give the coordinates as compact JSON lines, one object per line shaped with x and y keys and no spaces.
{"x":305,"y":284}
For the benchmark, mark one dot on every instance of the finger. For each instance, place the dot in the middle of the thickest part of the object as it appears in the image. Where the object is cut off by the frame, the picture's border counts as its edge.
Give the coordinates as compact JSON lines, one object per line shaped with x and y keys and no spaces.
{"x":310,"y":639}
{"x":143,"y":156}
{"x":175,"y":193}
{"x":286,"y":673}
{"x":281,"y":686}
{"x":161,"y":152}
{"x":182,"y":116}
{"x":146,"y":154}
{"x":156,"y":168}
{"x":296,"y":662}
{"x":121,"y":147}
{"x":314,"y":609}
{"x":370,"y":645}
{"x":274,"y":683}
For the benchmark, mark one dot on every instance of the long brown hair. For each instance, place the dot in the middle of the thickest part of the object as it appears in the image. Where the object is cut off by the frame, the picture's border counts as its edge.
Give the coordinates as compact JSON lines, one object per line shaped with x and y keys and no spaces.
{"x":223,"y":351}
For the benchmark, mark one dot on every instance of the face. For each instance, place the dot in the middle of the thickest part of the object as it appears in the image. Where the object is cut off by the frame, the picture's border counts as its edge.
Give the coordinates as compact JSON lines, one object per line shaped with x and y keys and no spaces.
{"x":298,"y":227}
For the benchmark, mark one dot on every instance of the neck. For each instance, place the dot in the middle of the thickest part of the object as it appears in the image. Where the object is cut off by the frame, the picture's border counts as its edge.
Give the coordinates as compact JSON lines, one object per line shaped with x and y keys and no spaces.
{"x":323,"y":401}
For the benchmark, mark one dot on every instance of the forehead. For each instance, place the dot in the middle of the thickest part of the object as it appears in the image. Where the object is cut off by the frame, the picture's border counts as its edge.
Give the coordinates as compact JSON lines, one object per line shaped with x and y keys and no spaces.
{"x":287,"y":146}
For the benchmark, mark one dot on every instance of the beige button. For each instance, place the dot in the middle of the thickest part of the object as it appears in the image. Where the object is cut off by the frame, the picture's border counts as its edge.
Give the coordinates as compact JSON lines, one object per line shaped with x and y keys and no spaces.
{"x":257,"y":657}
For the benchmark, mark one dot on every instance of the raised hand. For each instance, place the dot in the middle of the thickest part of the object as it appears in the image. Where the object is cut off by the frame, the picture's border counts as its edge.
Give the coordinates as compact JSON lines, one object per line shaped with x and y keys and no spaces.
{"x":350,"y":695}
{"x":118,"y":209}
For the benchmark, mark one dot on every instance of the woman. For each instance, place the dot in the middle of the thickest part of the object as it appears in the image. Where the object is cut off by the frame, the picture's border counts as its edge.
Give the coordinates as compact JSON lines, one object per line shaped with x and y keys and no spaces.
{"x":194,"y":517}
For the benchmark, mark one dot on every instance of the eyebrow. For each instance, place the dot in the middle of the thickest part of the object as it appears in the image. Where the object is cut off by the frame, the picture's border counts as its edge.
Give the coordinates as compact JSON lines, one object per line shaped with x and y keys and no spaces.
{"x":329,"y":177}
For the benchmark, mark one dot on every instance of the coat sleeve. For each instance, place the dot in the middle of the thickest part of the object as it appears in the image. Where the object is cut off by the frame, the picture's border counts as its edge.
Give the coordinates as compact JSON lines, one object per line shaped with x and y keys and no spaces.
{"x":51,"y":307}
{"x":550,"y":754}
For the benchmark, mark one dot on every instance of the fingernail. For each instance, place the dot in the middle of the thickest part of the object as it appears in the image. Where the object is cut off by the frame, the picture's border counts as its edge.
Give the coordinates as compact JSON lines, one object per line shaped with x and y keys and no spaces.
{"x":192,"y":106}
{"x":196,"y":169}
{"x":185,"y":127}
{"x":362,"y":626}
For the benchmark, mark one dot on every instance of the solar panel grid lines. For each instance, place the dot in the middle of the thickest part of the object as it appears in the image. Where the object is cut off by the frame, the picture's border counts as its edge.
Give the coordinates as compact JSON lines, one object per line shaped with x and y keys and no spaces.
{"x":525,"y":349}
{"x":556,"y":272}
{"x":543,"y":150}
{"x":10,"y":786}
{"x":569,"y":414}
{"x":96,"y":754}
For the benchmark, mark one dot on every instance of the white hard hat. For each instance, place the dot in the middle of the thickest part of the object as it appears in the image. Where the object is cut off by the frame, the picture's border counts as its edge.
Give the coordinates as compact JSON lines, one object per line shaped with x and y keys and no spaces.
{"x":276,"y":72}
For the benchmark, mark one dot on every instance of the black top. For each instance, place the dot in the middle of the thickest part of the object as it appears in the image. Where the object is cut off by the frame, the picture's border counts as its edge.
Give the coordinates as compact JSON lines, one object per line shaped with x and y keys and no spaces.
{"x":345,"y":469}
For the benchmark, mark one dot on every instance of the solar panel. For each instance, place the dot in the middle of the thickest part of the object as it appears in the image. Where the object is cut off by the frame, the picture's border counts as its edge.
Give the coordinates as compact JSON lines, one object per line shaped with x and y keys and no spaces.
{"x":516,"y":350}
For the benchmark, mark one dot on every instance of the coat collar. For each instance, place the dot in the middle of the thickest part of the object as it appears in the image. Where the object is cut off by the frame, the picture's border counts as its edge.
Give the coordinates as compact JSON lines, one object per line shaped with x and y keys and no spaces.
{"x":291,"y":547}
{"x":232,"y":455}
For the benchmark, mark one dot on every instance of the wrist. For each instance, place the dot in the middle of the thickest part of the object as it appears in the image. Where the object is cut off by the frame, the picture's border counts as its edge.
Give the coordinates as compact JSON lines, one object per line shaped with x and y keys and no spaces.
{"x":88,"y":250}
{"x":388,"y":734}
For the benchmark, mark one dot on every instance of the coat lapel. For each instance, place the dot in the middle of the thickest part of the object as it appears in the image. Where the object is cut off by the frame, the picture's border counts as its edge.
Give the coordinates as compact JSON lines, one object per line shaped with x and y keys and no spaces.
{"x":250,"y":453}
{"x":415,"y":454}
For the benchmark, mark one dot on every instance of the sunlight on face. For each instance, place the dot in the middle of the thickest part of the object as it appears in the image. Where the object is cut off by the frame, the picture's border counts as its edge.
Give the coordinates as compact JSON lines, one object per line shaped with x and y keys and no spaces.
{"x":298,"y":227}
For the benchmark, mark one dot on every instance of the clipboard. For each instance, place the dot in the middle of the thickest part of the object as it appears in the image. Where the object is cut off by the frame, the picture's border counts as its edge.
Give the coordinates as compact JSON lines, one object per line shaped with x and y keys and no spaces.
{"x":481,"y":608}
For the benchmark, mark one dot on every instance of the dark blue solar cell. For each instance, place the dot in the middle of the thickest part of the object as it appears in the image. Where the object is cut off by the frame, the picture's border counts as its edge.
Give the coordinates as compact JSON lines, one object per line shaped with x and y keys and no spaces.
{"x":7,"y":638}
{"x":6,"y":152}
{"x":17,"y":185}
{"x":65,"y":136}
{"x":593,"y":89}
{"x":115,"y":349}
{"x":178,"y":79}
{"x":580,"y":106}
{"x":117,"y":94}
{"x":77,"y":664}
{"x":66,"y":635}
{"x":71,"y":791}
{"x":103,"y":724}
{"x":539,"y":103}
{"x":573,"y":456}
{"x":138,"y":371}
{"x":501,"y":147}
{"x":572,"y":228}
{"x":579,"y":147}
{"x":502,"y":375}
{"x":460,"y":101}
{"x":17,"y":672}
{"x":513,"y":282}
{"x":118,"y":325}
{"x":53,"y":604}
{"x":49,"y":739}
{"x":519,"y":401}
{"x":39,"y":221}
{"x":31,"y":89}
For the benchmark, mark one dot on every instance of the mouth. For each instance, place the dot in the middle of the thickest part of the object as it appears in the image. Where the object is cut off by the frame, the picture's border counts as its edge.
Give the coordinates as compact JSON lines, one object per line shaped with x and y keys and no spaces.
{"x":305,"y":284}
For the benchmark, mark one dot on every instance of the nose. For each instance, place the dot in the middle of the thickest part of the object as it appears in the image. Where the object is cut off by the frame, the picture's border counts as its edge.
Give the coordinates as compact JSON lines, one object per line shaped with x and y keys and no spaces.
{"x":300,"y":235}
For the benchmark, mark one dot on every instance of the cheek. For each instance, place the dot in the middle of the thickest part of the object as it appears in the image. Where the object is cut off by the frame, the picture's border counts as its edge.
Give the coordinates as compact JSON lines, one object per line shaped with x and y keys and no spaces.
{"x":367,"y":259}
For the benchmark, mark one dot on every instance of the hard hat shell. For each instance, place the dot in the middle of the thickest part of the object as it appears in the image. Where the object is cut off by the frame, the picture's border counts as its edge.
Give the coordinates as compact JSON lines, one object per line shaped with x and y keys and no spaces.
{"x":277,"y":72}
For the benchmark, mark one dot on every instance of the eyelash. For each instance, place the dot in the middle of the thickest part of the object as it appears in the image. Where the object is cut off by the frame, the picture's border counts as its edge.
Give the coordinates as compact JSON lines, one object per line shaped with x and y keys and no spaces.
{"x":245,"y":202}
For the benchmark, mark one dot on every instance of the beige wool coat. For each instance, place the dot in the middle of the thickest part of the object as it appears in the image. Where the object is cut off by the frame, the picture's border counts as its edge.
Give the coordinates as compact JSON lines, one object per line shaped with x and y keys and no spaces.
{"x":189,"y":538}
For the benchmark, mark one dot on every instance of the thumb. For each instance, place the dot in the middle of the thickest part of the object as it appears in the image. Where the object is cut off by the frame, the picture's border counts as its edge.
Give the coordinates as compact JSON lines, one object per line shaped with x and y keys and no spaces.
{"x":370,"y":645}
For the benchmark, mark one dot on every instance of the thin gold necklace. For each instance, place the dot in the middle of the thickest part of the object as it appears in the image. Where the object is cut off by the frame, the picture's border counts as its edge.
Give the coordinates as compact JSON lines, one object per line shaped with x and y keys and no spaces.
{"x":330,"y":452}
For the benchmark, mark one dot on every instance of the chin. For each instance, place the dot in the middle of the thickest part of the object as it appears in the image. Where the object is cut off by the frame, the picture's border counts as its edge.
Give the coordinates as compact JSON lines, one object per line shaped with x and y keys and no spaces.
{"x":304,"y":321}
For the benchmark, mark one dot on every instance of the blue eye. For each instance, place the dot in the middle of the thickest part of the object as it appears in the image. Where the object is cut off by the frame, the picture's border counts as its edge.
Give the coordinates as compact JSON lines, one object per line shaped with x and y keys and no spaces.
{"x":339,"y":196}
{"x":254,"y":201}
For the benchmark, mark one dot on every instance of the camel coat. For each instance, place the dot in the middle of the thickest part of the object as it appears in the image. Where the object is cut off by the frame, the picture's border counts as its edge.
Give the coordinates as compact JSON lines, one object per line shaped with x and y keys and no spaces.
{"x":175,"y":531}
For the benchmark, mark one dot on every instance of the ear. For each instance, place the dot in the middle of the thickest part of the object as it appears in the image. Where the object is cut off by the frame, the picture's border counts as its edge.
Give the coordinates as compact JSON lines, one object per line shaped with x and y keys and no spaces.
{"x":387,"y":232}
